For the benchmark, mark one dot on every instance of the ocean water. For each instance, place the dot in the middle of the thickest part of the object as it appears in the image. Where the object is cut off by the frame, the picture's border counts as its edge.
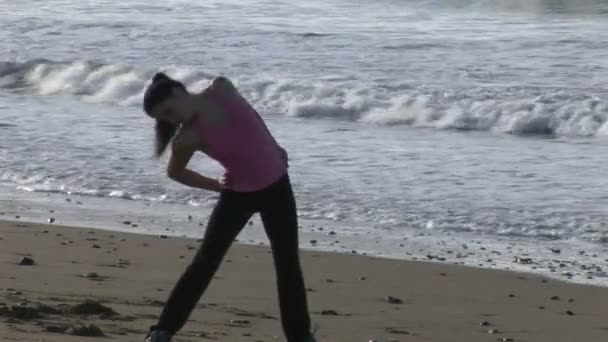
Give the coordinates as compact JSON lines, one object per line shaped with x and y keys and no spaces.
{"x":472,"y":132}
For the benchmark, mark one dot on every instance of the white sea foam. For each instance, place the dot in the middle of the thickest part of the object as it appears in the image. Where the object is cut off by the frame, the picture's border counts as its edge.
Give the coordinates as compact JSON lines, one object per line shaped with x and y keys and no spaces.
{"x":545,"y":112}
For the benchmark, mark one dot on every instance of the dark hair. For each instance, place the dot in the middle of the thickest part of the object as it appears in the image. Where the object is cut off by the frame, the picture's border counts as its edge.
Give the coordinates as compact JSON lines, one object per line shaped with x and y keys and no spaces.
{"x":159,"y":90}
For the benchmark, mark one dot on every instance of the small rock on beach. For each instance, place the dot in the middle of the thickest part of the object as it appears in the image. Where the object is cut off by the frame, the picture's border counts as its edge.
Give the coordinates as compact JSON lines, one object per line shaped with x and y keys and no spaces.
{"x":329,"y":313}
{"x":59,"y":329}
{"x":25,"y":261}
{"x":90,"y":330}
{"x":393,"y":300}
{"x":91,"y":275}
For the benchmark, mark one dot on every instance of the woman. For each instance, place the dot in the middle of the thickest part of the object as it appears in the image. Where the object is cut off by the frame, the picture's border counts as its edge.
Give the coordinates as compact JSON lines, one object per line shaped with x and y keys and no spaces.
{"x":220,"y":123}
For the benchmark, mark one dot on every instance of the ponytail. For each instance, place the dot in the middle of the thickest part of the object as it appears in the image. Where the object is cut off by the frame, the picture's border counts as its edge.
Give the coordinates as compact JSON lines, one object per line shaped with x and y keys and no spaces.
{"x":165,"y":131}
{"x":159,"y":90}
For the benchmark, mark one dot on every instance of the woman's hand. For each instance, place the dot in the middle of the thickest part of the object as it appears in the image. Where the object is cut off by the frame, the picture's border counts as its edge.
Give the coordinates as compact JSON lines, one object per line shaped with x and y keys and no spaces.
{"x":284,"y":155}
{"x":178,"y":171}
{"x":226,"y":181}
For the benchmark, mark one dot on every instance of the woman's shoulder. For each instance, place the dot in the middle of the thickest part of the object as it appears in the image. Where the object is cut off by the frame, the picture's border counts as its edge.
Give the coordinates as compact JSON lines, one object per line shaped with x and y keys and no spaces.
{"x":222,"y":84}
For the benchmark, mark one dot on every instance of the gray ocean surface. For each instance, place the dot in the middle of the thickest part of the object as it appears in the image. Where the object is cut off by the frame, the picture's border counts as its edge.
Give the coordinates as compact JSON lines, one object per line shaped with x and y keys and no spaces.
{"x":415,"y":128}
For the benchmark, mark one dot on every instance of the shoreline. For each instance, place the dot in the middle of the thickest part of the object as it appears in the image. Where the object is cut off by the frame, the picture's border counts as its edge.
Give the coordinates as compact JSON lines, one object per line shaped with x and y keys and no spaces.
{"x":565,"y":260}
{"x":572,"y":261}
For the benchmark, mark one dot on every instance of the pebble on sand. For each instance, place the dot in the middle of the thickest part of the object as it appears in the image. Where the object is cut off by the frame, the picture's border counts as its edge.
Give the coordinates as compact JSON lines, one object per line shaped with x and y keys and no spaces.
{"x":396,"y":331}
{"x":163,"y":236}
{"x":91,"y":307}
{"x":555,"y":298}
{"x":25,"y":261}
{"x":59,"y":329}
{"x":86,"y":330}
{"x":485,"y":324}
{"x":329,"y":313}
{"x":525,"y":261}
{"x":393,"y":300}
{"x":569,"y":313}
{"x":493,"y":331}
{"x":20,"y":311}
{"x":91,"y":275}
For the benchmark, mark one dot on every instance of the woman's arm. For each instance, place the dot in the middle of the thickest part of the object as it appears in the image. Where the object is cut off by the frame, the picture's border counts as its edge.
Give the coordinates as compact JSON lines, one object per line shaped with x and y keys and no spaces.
{"x":180,"y":156}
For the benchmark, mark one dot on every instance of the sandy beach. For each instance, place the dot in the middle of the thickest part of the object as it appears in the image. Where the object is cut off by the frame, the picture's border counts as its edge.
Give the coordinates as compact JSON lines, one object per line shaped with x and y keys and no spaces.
{"x":117,"y":282}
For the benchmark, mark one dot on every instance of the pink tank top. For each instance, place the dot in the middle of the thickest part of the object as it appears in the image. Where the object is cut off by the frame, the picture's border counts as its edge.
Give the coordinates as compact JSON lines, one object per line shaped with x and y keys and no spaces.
{"x":242,"y":145}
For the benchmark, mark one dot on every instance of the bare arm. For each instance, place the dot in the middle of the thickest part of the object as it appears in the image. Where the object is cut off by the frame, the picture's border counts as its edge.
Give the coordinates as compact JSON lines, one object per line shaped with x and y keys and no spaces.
{"x":178,"y":171}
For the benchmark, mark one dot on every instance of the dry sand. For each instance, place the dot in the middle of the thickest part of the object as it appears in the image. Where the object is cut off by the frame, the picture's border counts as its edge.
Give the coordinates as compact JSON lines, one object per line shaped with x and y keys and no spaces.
{"x":347,"y":294}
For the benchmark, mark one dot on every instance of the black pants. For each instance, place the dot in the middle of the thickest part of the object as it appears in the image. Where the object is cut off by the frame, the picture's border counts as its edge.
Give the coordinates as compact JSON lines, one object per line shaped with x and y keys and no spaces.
{"x":277,"y":208}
